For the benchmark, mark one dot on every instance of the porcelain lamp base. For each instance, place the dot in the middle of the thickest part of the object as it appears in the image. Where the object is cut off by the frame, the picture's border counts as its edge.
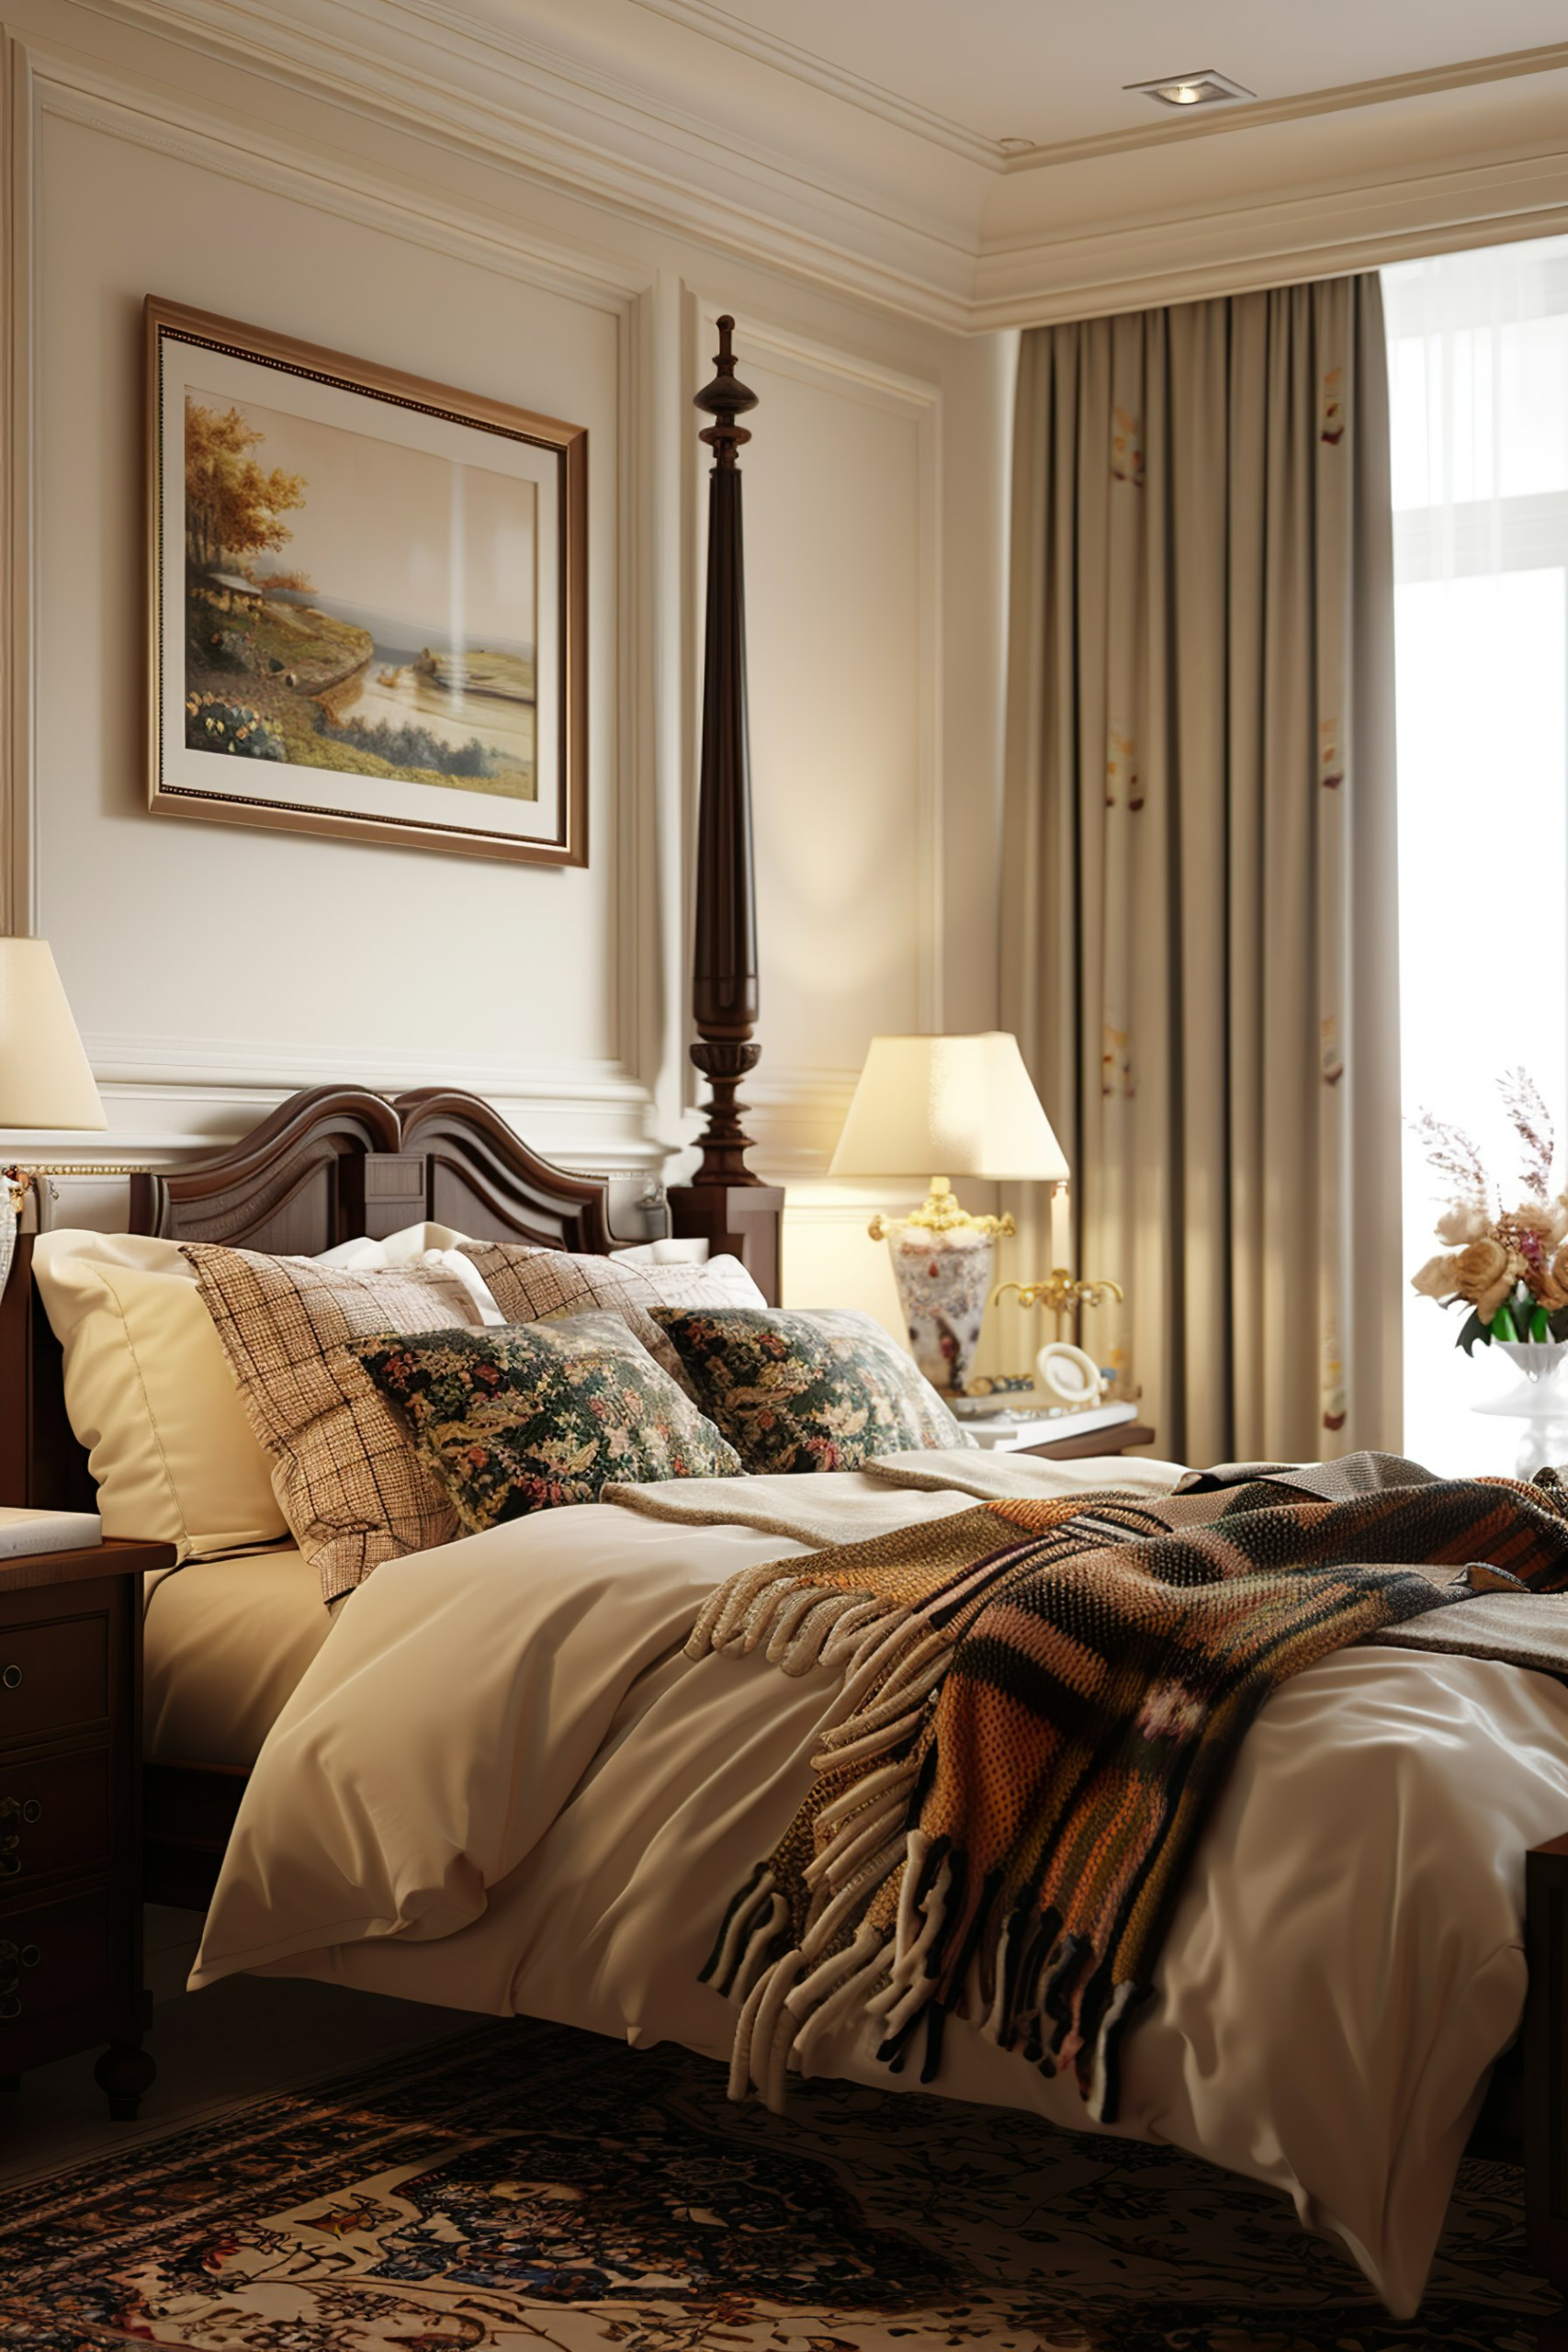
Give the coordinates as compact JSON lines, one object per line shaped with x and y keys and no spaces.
{"x":944,"y":1281}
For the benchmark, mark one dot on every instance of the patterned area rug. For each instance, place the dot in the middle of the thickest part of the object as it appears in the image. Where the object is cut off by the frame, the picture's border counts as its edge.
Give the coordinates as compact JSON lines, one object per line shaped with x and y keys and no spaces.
{"x":526,"y":2186}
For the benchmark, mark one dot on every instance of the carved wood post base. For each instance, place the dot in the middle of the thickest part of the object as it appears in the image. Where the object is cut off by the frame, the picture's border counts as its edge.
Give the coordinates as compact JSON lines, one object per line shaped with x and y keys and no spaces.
{"x":123,"y":2073}
{"x":724,"y":1142}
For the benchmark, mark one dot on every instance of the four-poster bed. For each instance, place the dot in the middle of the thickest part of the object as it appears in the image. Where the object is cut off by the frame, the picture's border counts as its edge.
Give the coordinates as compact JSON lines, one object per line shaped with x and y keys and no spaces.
{"x":340,"y":1162}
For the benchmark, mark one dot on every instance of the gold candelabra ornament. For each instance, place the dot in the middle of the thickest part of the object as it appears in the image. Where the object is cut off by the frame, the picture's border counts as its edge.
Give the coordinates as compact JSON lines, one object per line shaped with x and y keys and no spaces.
{"x":1060,"y":1293}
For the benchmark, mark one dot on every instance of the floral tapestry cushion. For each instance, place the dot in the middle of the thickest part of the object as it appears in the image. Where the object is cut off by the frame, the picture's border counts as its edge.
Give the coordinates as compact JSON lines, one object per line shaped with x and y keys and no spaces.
{"x":529,"y":1284}
{"x":823,"y":1391}
{"x":535,"y":1415}
{"x":347,"y":1479}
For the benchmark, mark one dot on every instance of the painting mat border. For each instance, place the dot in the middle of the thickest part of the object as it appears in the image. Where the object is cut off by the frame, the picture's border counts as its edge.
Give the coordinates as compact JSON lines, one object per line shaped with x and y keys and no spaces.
{"x":206,"y":329}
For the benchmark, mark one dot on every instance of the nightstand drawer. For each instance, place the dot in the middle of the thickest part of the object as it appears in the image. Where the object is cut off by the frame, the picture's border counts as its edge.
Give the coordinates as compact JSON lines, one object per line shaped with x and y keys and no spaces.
{"x":56,"y":1956}
{"x":56,"y":1815}
{"x":53,"y":1678}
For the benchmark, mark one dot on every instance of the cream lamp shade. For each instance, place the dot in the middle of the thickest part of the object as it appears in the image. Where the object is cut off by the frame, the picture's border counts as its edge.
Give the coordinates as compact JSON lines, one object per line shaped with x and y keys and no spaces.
{"x":957,"y":1106}
{"x":44,"y":1078}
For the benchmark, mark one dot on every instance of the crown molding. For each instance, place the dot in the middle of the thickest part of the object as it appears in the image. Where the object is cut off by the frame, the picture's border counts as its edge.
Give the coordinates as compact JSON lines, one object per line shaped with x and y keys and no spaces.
{"x":935,"y":226}
{"x":836,"y":81}
{"x":1326,"y":233}
{"x":430,"y":68}
{"x":1258,"y":113}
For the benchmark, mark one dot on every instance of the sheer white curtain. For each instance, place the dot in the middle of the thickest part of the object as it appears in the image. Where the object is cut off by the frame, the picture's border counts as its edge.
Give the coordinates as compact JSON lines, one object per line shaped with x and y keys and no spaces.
{"x":1478,"y":387}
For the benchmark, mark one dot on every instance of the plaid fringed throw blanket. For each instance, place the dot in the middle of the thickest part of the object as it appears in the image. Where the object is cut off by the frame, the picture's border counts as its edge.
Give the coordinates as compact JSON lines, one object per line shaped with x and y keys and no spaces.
{"x":1047,"y":1698}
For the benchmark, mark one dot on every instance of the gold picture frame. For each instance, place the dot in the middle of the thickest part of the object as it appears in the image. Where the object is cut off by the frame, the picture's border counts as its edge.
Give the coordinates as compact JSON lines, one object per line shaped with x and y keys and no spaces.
{"x":425,"y":682}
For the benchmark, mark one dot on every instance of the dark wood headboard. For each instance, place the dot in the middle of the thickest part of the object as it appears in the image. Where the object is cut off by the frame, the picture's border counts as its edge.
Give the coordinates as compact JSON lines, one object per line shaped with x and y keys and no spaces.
{"x":325,"y":1167}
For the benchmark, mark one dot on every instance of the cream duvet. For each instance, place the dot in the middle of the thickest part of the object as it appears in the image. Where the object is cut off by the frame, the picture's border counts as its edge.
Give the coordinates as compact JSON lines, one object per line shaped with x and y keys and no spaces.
{"x":501,"y":1785}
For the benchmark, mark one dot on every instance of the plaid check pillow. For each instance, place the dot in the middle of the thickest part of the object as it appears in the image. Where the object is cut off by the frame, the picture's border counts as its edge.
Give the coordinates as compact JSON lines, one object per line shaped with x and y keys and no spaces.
{"x":349,"y":1483}
{"x":536,"y":1285}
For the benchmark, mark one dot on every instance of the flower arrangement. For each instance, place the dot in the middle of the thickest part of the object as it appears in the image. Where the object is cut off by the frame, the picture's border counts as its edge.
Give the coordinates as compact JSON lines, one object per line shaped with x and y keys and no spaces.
{"x":1508,"y":1266}
{"x":214,"y":724}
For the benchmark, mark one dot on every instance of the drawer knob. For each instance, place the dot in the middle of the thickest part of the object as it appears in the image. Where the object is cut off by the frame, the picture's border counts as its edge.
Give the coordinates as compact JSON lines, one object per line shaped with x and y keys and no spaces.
{"x":11,"y":1677}
{"x":31,"y":1810}
{"x":30,"y":1955}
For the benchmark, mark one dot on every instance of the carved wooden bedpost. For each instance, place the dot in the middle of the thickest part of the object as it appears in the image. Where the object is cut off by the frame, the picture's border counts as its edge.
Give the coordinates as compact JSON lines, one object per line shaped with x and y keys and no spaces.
{"x":725,"y":1203}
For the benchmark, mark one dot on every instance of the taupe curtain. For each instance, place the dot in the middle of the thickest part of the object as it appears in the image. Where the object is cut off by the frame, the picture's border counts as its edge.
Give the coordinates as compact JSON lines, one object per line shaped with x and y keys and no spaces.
{"x":1198,"y":938}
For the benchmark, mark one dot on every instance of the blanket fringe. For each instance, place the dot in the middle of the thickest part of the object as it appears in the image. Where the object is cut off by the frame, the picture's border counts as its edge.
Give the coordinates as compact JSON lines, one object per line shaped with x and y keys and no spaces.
{"x":804,"y":1624}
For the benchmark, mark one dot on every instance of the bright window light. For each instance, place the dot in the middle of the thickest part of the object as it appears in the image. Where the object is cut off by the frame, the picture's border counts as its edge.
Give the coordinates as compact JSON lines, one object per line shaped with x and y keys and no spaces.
{"x":1478,"y":364}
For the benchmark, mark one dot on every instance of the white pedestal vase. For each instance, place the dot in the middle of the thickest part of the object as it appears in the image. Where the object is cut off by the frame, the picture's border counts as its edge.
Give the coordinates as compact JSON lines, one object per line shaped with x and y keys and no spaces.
{"x":1538,"y":1401}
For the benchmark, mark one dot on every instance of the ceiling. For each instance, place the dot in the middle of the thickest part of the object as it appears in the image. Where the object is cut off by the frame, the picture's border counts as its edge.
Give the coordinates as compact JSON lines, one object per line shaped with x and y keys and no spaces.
{"x":858,"y":145}
{"x":1053,"y":72}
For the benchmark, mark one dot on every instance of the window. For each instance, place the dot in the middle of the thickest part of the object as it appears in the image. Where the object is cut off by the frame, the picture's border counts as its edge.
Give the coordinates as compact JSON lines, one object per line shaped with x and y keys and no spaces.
{"x":1477,"y":380}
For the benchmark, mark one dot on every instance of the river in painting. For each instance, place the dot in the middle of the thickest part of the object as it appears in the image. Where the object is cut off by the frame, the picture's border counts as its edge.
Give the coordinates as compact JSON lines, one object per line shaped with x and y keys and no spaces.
{"x":454,"y":691}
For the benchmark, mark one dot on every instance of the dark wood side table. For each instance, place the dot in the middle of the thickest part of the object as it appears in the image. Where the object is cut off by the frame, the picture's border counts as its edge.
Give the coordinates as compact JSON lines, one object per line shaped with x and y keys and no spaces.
{"x":71,"y":1813}
{"x":1119,"y":1439}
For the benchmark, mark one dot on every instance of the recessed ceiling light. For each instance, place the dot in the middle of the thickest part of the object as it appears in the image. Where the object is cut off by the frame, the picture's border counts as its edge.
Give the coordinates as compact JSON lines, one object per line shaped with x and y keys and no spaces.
{"x":1015,"y":146}
{"x":1201,"y":89}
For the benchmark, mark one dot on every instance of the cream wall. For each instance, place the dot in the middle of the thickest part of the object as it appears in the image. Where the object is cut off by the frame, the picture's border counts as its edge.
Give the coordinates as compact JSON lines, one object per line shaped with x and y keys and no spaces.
{"x":213,"y":967}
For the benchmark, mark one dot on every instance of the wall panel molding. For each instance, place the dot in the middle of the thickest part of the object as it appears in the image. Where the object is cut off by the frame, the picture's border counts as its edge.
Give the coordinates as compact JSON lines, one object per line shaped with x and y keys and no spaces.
{"x":44,"y":83}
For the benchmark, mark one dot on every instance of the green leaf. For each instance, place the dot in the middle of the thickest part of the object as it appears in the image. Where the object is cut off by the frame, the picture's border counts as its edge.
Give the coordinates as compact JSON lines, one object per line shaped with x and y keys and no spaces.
{"x":1474,"y":1329}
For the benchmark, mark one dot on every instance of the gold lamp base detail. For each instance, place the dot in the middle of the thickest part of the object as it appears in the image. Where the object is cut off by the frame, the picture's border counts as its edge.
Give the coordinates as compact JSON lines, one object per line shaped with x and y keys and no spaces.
{"x":942,"y":1263}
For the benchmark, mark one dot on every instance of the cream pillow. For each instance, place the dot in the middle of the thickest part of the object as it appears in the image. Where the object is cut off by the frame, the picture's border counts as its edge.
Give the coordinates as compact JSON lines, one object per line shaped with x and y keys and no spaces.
{"x":150,"y":1393}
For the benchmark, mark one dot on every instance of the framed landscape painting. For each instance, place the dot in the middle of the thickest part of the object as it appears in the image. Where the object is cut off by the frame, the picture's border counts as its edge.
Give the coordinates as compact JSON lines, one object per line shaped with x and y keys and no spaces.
{"x":369,"y":599}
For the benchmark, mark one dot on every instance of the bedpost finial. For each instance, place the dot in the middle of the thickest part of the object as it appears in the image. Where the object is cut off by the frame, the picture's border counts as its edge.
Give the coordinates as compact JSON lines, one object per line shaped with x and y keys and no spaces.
{"x":725,"y":400}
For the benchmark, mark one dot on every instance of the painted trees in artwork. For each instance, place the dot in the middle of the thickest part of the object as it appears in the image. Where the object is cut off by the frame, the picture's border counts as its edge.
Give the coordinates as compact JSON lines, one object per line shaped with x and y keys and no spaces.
{"x":233,"y":507}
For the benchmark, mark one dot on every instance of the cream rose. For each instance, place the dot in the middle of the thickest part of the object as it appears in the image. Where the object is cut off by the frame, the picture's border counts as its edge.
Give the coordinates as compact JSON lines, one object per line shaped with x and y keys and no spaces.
{"x":1439,"y":1278}
{"x":1480,"y":1268}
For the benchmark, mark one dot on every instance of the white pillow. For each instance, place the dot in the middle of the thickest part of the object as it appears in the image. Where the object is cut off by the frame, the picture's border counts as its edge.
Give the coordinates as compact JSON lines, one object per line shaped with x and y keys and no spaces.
{"x":150,"y":1393}
{"x":416,"y":1244}
{"x":402,"y":1248}
{"x":664,"y":1253}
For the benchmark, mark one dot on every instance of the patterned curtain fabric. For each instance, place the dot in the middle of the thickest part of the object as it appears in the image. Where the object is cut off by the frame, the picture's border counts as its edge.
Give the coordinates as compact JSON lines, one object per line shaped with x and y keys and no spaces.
{"x":1199,"y":939}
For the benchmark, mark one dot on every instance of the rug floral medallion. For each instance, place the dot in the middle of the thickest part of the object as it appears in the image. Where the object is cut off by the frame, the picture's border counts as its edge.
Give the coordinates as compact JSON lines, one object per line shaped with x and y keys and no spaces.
{"x":526,"y":2186}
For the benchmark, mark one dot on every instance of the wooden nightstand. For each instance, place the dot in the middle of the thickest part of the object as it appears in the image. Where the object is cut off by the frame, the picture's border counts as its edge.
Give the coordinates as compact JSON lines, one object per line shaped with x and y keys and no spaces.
{"x":71,"y":1813}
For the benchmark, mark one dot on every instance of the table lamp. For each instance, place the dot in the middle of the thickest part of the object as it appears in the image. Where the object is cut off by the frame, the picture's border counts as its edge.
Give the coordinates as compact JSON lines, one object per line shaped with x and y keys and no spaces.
{"x":964,"y":1105}
{"x":44,"y":1078}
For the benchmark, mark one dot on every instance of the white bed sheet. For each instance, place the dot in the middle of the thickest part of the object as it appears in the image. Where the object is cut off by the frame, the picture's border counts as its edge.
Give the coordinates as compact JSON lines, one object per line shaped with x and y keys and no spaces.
{"x":224,"y":1643}
{"x":503,"y":1787}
